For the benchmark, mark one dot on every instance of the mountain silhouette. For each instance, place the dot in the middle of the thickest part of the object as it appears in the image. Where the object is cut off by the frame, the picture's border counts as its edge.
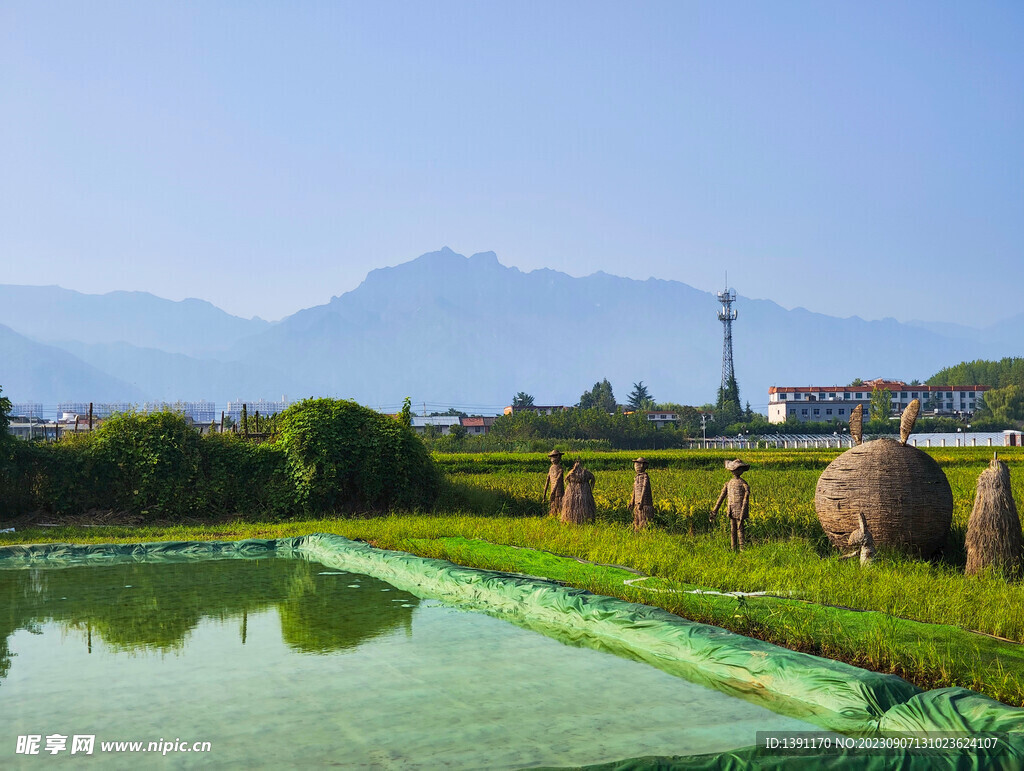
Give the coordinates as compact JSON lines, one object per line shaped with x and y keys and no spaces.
{"x":452,"y":329}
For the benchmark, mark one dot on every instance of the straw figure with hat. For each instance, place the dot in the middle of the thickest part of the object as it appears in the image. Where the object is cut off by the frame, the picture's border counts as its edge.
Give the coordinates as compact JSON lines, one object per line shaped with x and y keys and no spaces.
{"x":555,"y":484}
{"x":578,"y":507}
{"x":738,"y":493}
{"x":993,"y":532}
{"x":641,"y":502}
{"x":889,"y":489}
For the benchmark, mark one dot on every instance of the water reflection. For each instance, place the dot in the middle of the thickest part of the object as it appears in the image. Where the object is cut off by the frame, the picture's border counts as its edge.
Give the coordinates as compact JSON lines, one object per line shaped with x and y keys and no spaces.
{"x":136,"y":606}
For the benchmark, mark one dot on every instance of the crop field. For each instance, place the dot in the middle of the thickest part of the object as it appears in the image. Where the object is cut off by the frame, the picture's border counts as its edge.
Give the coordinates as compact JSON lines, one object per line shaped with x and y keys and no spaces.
{"x":686,"y":484}
{"x":921,"y":619}
{"x":788,"y":554}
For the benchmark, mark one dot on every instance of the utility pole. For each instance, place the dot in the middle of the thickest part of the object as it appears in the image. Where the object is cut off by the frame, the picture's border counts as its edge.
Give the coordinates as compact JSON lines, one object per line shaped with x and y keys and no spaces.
{"x":704,"y":420}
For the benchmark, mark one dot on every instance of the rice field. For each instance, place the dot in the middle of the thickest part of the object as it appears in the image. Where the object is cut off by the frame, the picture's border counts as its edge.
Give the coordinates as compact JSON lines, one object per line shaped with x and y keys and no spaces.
{"x":788,"y":553}
{"x":686,"y":484}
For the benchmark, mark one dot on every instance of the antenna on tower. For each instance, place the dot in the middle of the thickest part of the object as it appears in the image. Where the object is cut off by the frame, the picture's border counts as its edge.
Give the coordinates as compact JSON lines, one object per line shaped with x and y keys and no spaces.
{"x":727,"y":315}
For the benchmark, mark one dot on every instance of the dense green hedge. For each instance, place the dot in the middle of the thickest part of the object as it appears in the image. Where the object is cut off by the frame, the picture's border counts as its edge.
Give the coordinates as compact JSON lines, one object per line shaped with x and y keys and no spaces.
{"x":329,"y":456}
{"x":342,"y":454}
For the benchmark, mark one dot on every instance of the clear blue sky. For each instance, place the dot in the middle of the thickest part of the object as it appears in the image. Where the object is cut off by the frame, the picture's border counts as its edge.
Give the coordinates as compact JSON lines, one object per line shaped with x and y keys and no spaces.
{"x":852,"y":158}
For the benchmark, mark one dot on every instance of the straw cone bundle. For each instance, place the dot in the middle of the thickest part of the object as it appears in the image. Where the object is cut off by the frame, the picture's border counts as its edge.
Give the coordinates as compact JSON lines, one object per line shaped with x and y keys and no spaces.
{"x":578,"y":507}
{"x":993,"y":532}
{"x":857,"y":424}
{"x":901,"y":492}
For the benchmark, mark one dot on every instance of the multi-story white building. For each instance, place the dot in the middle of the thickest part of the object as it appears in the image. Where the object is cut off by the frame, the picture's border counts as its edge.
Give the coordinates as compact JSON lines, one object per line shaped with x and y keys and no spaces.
{"x":824,"y":404}
{"x":662,"y":418}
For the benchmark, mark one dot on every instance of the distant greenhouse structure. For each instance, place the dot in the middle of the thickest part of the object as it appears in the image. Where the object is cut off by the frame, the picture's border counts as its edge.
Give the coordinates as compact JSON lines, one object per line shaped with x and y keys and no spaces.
{"x":198,"y":412}
{"x":99,"y":409}
{"x":262,"y":406}
{"x":27,"y":410}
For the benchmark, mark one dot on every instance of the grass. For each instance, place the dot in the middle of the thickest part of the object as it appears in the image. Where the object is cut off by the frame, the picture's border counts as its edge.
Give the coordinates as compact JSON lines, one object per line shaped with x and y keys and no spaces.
{"x":918,"y":619}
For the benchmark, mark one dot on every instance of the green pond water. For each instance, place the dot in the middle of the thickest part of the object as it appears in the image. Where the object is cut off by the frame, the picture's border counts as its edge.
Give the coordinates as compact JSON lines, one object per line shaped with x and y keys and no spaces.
{"x":283,"y":662}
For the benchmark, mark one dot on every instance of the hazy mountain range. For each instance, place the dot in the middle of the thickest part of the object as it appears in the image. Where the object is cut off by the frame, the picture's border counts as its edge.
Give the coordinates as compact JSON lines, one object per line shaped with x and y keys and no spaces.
{"x":449,"y":329}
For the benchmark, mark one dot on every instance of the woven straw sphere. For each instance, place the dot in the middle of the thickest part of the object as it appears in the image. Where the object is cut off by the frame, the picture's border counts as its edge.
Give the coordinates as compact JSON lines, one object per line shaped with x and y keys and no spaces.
{"x":902,"y":493}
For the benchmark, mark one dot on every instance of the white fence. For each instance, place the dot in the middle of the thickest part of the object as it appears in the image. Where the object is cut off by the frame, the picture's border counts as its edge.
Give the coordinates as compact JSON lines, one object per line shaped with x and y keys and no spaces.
{"x":824,"y":441}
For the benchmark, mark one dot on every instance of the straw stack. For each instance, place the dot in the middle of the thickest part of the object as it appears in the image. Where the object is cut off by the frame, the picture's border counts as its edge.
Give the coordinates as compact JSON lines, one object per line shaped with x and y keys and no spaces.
{"x":993,"y":532}
{"x":857,"y":424}
{"x":900,"y":491}
{"x":578,"y":507}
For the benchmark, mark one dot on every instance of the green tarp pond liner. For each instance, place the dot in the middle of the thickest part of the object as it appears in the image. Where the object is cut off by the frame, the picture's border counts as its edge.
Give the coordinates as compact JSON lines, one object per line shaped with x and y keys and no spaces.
{"x":833,"y":695}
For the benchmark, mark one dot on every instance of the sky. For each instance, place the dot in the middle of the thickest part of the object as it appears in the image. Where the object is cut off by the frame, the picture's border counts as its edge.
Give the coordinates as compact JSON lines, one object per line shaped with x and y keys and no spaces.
{"x":850,"y":158}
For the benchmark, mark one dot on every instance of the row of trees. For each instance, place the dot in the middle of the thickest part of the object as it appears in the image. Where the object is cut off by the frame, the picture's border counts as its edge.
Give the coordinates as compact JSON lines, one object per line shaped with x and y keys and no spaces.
{"x":601,"y":396}
{"x":1005,"y":402}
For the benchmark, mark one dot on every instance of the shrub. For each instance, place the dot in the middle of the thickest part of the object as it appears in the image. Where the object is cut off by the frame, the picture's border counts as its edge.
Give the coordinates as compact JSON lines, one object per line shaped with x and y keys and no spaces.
{"x":146,"y":462}
{"x":343,"y":456}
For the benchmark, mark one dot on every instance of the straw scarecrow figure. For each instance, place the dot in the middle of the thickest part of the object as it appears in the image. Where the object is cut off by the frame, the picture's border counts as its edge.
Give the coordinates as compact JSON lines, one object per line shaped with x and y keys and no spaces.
{"x":993,"y":532}
{"x":578,"y":507}
{"x":738,"y":493}
{"x":896,"y":490}
{"x":641,"y":503}
{"x":555,"y":484}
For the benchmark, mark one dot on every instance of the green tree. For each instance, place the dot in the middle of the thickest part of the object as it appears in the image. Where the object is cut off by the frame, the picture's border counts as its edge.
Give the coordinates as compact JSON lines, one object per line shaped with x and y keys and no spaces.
{"x":600,"y":396}
{"x":405,"y":416}
{"x":881,"y":404}
{"x":857,"y":383}
{"x":689,"y":421}
{"x":1004,"y":403}
{"x":995,"y":374}
{"x":450,"y":412}
{"x":522,"y":399}
{"x":457,"y":432}
{"x":343,"y":456}
{"x":727,"y":413}
{"x":729,"y":393}
{"x":5,"y":412}
{"x":640,"y":398}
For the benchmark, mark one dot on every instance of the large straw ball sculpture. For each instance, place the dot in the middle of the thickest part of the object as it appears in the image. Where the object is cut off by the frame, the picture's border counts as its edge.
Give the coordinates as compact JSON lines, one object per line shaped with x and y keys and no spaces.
{"x":901,"y":492}
{"x":993,"y":532}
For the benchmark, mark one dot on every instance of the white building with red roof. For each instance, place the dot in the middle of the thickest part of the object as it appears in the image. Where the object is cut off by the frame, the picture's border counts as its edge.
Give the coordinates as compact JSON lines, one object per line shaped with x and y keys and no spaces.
{"x":825,"y":404}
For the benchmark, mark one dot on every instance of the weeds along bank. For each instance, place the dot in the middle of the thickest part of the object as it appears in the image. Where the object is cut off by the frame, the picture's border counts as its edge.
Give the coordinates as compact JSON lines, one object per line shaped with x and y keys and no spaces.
{"x":329,"y":455}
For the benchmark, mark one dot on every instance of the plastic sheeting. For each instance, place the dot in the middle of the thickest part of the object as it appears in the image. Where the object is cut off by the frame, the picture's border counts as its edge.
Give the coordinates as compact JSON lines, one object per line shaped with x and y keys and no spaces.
{"x":833,"y":695}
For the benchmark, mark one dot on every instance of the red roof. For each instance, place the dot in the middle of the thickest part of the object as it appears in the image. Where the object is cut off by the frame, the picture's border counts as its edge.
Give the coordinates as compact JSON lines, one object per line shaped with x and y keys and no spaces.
{"x":866,"y":388}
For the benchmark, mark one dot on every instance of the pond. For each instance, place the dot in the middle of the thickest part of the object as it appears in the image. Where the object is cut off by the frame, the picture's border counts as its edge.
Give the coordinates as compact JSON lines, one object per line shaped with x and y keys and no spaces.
{"x":280,"y":660}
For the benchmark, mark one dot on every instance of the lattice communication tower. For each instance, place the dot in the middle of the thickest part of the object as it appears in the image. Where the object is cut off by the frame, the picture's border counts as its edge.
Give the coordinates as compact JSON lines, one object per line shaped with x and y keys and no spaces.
{"x":727,"y":315}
